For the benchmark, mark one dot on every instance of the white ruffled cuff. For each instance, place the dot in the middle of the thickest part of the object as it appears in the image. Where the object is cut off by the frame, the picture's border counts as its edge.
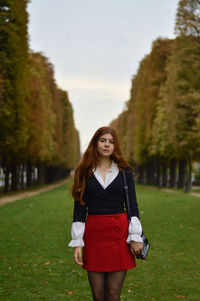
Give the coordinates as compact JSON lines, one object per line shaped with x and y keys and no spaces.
{"x":77,"y":232}
{"x":135,"y":230}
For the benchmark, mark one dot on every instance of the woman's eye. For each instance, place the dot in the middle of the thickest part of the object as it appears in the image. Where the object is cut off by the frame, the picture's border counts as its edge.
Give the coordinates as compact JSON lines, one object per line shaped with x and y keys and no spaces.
{"x":103,"y":140}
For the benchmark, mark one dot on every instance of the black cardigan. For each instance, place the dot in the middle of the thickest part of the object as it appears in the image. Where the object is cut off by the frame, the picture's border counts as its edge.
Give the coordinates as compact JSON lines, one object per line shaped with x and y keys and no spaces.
{"x":106,"y":201}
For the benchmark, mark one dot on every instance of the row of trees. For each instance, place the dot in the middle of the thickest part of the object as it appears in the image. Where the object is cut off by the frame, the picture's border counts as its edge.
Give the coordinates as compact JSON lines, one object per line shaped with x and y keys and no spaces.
{"x":36,"y":117}
{"x":160,"y":127}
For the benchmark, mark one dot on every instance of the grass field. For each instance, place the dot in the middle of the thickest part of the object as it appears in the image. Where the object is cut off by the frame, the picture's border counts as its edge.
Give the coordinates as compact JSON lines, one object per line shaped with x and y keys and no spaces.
{"x":36,"y":263}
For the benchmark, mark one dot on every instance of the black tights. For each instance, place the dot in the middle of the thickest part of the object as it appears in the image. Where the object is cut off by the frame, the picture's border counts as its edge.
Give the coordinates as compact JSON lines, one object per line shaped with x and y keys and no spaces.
{"x":106,"y":286}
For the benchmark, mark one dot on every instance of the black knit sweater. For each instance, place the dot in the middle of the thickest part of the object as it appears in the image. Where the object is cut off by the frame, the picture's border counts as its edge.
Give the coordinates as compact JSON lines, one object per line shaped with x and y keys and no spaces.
{"x":111,"y":200}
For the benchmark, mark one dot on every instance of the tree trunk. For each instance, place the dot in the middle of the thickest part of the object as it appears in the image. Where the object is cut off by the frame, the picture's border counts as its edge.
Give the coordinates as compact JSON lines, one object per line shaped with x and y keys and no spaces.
{"x":7,"y":175}
{"x":141,"y":175}
{"x":52,"y":174}
{"x":153,"y":172}
{"x":172,"y":180}
{"x":15,"y":175}
{"x":164,"y":174}
{"x":148,"y":173}
{"x":41,"y":174}
{"x":29,"y":174}
{"x":33,"y":176}
{"x":188,"y":180}
{"x":190,"y":171}
{"x":158,"y":173}
{"x":22,"y":177}
{"x":181,"y":173}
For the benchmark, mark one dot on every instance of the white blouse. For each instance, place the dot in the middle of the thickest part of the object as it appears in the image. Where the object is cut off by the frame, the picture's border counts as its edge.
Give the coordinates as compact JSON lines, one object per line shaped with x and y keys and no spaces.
{"x":78,"y":228}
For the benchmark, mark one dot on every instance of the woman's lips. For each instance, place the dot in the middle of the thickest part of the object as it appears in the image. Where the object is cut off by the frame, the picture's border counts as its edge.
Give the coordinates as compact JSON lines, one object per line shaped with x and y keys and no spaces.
{"x":106,"y":150}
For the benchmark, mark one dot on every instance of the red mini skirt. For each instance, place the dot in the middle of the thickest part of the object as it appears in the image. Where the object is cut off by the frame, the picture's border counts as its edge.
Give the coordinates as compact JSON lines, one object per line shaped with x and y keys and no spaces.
{"x":106,"y":249}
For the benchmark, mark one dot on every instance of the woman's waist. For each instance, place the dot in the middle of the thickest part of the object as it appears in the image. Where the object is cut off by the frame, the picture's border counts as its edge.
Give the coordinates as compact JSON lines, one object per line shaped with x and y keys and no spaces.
{"x":105,"y":212}
{"x":115,"y":216}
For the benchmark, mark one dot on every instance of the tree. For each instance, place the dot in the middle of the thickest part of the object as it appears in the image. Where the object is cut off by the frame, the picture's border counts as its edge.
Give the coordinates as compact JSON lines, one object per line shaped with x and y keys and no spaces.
{"x":144,"y":97}
{"x":162,"y":119}
{"x":13,"y":70}
{"x":52,"y":142}
{"x":176,"y":132}
{"x":135,"y":124}
{"x":40,"y":144}
{"x":36,"y":117}
{"x":188,"y":18}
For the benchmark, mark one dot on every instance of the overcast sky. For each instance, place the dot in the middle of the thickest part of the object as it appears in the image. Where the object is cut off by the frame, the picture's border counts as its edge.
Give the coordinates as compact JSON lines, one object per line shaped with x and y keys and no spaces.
{"x":95,"y":47}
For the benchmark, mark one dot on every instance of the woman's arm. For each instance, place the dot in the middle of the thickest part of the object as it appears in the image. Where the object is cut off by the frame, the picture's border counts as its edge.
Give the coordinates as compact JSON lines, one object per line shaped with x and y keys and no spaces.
{"x":78,"y":225}
{"x":77,"y":232}
{"x":132,"y":195}
{"x":135,"y":227}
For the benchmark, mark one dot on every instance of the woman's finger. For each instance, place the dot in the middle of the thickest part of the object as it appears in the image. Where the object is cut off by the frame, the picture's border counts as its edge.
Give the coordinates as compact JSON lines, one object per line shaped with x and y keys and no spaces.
{"x":136,"y":249}
{"x":77,"y":260}
{"x":132,"y":251}
{"x":78,"y":257}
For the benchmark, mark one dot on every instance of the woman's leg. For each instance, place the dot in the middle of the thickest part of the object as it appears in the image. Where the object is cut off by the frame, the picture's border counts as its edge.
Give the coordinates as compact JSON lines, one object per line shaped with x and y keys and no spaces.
{"x":113,"y":285}
{"x":97,"y":282}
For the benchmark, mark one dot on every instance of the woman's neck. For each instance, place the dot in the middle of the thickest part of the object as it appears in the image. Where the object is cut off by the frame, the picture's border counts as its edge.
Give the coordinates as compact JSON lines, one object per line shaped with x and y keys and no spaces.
{"x":104,"y":167}
{"x":104,"y":163}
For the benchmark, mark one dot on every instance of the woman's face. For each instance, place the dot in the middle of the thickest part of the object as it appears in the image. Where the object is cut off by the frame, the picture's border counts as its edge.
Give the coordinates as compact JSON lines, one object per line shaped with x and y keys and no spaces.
{"x":105,"y":145}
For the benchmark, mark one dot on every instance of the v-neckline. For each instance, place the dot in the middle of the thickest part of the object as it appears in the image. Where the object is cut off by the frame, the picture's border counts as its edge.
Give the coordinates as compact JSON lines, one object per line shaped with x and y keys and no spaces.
{"x":109,"y":184}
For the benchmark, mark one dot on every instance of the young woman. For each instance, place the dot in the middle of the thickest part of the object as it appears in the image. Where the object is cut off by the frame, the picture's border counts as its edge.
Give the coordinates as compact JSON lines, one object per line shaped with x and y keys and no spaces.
{"x":100,"y":224}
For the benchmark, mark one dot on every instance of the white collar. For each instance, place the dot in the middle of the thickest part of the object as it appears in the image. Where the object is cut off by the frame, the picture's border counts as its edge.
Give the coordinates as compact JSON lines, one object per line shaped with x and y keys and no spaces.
{"x":110,"y":176}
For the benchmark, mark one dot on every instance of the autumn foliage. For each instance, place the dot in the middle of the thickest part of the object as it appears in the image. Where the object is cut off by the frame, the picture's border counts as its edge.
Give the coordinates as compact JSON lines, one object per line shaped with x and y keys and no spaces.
{"x":36,"y":117}
{"x":160,"y":128}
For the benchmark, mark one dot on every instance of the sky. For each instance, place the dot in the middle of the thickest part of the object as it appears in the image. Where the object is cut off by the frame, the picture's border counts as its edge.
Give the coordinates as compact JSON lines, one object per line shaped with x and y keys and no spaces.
{"x":95,"y":47}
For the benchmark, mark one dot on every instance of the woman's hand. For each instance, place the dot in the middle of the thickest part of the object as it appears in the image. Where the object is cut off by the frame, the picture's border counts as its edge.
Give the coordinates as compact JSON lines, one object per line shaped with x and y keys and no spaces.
{"x":136,"y":247}
{"x":78,"y":255}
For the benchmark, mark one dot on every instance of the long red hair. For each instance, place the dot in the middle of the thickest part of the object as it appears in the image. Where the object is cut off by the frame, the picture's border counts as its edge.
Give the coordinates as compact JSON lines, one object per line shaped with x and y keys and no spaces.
{"x":91,"y":159}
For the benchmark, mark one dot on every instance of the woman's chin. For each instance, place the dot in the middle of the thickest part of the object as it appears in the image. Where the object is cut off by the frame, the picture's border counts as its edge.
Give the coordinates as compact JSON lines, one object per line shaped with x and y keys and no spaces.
{"x":105,"y":155}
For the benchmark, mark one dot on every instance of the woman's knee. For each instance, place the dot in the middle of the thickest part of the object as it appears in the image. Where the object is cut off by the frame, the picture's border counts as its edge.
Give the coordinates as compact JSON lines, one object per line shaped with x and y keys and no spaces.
{"x":98,"y":296}
{"x":112,"y":295}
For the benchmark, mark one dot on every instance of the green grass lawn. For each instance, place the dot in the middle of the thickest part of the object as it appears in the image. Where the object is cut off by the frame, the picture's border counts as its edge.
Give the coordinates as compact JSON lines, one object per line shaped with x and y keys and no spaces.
{"x":36,"y":263}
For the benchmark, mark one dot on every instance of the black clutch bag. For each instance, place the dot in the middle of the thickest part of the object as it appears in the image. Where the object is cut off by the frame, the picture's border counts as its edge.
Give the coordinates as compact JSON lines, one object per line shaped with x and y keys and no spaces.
{"x":146,"y":244}
{"x":145,"y":249}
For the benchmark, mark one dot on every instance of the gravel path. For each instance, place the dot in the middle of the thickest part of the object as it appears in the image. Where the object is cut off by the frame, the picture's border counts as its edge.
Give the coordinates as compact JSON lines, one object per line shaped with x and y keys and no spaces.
{"x":195,"y":194}
{"x":13,"y":198}
{"x":190,"y":193}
